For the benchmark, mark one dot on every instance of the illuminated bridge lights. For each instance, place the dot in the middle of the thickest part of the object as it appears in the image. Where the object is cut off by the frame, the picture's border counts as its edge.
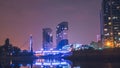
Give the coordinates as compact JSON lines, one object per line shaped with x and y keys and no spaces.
{"x":51,"y":63}
{"x":51,"y":52}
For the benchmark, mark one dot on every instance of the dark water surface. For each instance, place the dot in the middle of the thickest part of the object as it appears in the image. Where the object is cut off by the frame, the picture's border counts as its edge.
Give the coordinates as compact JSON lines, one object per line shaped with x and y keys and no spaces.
{"x":57,"y":63}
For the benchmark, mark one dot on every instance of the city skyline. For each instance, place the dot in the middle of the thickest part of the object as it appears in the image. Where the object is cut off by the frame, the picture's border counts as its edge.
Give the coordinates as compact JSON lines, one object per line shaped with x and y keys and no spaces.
{"x":19,"y":19}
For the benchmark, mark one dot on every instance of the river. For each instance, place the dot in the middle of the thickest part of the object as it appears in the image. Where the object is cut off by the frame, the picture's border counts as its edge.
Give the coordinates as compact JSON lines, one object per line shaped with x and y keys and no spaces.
{"x":57,"y":63}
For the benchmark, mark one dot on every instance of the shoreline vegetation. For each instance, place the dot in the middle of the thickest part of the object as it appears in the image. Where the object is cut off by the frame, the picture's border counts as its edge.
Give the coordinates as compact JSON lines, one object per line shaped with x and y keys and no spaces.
{"x":111,"y":54}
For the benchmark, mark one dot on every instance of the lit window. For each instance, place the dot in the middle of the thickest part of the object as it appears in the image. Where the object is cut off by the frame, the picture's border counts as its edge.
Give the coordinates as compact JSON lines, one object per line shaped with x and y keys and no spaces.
{"x":118,"y":33}
{"x":114,"y":17}
{"x":115,"y":28}
{"x":109,"y":23}
{"x":111,"y":33}
{"x":118,"y":7}
{"x":109,"y":18}
{"x":105,"y":29}
{"x":119,"y":39}
{"x":107,"y":34}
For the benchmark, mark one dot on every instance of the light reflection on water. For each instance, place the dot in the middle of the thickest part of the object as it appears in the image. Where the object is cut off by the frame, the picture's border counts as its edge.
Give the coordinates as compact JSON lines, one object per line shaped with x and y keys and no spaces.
{"x":38,"y":63}
{"x":56,"y":63}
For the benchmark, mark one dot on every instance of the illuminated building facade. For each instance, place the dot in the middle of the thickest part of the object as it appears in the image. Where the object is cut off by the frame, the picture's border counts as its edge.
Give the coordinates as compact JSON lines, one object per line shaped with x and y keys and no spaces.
{"x":110,"y":23}
{"x":47,"y":38}
{"x":61,"y":34}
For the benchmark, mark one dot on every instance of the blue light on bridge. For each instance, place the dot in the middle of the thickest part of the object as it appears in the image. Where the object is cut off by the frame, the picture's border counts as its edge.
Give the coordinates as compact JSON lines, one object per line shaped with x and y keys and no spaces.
{"x":52,"y":53}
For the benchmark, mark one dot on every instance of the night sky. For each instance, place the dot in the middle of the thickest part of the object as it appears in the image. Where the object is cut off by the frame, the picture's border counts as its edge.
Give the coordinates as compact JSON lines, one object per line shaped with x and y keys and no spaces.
{"x":20,"y":18}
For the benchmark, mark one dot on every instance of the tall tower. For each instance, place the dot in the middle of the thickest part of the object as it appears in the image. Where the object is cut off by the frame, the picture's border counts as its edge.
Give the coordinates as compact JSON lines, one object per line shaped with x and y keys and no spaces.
{"x":61,"y":34}
{"x":47,"y":38}
{"x":31,"y":43}
{"x":110,"y":23}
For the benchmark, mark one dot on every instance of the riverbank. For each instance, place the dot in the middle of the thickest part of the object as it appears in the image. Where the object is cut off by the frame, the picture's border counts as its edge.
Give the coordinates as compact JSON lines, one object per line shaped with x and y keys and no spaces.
{"x":112,"y":54}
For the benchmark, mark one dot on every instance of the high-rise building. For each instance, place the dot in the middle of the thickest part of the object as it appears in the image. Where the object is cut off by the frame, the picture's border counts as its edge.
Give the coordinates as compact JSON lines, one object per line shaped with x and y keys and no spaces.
{"x":61,"y":34}
{"x":110,"y":23}
{"x":47,"y":38}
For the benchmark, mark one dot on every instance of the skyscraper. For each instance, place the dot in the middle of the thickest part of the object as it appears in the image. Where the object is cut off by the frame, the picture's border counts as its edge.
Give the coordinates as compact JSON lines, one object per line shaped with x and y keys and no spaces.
{"x":47,"y":38}
{"x":110,"y":23}
{"x":61,"y":34}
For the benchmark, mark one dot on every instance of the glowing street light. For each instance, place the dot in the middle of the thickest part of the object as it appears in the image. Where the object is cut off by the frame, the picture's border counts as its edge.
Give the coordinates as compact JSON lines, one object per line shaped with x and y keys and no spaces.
{"x":109,"y":44}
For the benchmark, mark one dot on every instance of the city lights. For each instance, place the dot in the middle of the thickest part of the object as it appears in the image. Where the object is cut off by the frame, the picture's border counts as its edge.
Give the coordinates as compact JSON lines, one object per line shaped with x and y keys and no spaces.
{"x":109,"y":44}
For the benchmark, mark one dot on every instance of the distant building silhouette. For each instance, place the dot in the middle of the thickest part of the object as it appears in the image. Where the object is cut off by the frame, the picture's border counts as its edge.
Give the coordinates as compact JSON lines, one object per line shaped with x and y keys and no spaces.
{"x":110,"y":23}
{"x":8,"y":50}
{"x":7,"y":42}
{"x":47,"y":38}
{"x":61,"y":34}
